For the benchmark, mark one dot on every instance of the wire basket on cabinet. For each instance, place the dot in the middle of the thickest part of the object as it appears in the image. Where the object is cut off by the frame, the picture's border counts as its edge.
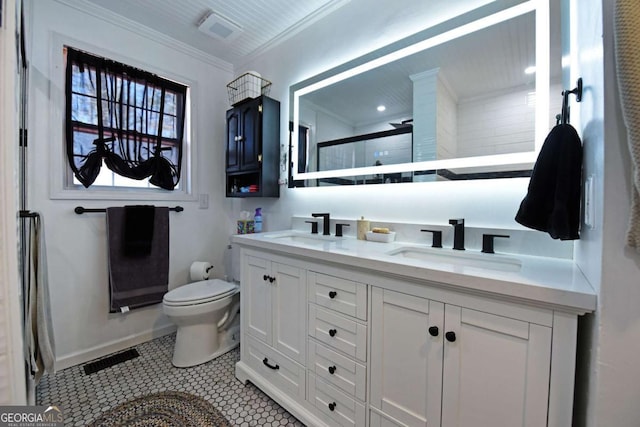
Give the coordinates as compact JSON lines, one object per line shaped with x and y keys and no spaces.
{"x":247,"y":86}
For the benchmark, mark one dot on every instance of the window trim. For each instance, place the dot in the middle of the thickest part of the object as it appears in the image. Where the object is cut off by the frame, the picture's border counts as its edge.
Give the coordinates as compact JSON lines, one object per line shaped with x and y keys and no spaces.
{"x":61,"y":184}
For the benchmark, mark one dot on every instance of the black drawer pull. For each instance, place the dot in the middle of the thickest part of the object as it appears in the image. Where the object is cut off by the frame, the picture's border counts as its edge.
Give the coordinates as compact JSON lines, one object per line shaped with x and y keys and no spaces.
{"x":266,"y":363}
{"x":434,"y":331}
{"x":332,"y":369}
{"x":332,"y":406}
{"x":333,"y":332}
{"x":450,"y":336}
{"x":271,"y":279}
{"x":332,"y":294}
{"x":265,"y":277}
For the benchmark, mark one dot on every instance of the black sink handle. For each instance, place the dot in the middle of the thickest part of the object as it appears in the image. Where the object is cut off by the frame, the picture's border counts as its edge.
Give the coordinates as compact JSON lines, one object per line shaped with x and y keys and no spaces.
{"x":487,"y":242}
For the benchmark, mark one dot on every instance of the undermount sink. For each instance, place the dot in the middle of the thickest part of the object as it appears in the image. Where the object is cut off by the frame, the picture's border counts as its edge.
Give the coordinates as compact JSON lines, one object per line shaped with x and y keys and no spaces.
{"x":460,"y":258}
{"x":306,"y":239}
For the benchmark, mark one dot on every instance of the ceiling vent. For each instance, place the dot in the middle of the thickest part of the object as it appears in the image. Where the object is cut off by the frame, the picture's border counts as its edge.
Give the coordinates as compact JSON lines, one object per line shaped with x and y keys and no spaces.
{"x":219,"y":27}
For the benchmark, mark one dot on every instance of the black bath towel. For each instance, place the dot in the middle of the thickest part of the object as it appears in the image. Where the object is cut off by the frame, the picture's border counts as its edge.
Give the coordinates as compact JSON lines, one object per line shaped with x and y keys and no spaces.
{"x":552,"y":203}
{"x":136,"y":281}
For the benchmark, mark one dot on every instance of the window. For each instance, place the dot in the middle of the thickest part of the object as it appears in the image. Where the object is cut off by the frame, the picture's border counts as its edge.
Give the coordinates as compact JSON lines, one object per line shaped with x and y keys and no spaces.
{"x":122,"y":124}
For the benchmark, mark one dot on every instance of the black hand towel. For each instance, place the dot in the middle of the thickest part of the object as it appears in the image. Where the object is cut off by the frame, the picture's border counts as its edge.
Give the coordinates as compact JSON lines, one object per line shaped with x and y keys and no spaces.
{"x":138,"y":230}
{"x":552,"y":203}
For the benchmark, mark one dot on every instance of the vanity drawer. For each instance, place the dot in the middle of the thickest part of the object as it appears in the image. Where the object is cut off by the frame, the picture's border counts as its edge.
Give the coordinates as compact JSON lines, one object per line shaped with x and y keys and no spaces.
{"x":345,"y":296}
{"x":338,"y":332}
{"x":335,"y":405}
{"x":277,"y":369}
{"x":337,"y":370}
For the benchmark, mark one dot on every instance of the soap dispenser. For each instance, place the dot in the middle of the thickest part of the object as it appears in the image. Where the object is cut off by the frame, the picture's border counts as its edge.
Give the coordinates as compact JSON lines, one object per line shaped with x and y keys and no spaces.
{"x":363,"y":227}
{"x":257,"y":218}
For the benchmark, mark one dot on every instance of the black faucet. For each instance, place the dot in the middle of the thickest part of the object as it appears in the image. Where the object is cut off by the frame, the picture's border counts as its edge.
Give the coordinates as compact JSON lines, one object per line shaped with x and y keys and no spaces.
{"x":458,"y":233}
{"x":325,"y":222}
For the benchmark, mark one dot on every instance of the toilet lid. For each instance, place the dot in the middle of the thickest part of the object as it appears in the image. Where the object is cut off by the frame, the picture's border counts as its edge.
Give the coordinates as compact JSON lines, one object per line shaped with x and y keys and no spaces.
{"x":200,"y":292}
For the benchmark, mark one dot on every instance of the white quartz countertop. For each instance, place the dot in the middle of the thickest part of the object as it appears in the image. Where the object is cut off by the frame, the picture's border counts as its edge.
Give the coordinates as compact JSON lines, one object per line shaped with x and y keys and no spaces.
{"x":537,"y":280}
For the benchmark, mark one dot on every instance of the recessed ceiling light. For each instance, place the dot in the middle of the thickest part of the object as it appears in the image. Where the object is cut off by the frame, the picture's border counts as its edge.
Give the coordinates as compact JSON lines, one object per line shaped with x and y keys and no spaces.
{"x":381,"y":108}
{"x":530,"y":70}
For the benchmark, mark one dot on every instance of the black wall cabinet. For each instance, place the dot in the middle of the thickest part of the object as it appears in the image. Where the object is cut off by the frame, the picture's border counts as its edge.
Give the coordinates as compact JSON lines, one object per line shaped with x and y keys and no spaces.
{"x":253,"y":148}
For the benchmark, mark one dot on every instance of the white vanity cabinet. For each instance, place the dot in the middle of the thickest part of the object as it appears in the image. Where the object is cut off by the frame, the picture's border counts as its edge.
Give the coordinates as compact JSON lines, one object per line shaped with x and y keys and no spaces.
{"x":439,"y":364}
{"x":343,"y":340}
{"x":273,"y":312}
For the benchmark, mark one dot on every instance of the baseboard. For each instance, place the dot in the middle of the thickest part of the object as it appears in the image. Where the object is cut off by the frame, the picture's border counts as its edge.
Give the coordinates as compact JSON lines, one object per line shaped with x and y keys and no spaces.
{"x":96,"y":352}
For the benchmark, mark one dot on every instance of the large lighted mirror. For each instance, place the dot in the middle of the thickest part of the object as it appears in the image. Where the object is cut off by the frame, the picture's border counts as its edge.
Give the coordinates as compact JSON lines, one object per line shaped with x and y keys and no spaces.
{"x":473,"y":97}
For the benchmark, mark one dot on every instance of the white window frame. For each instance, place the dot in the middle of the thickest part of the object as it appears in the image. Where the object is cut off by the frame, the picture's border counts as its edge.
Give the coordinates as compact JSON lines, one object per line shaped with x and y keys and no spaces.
{"x":61,"y":184}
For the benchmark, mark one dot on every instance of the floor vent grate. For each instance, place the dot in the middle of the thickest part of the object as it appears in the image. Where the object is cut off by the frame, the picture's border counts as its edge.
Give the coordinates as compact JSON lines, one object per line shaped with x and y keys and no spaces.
{"x":110,"y":361}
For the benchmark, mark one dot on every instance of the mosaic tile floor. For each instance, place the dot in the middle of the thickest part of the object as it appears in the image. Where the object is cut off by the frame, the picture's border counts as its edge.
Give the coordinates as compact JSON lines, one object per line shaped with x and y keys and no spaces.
{"x":84,"y":397}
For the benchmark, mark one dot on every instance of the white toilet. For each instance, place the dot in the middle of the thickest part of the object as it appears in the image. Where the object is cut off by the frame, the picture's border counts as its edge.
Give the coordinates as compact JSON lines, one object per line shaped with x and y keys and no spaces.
{"x":208,"y":320}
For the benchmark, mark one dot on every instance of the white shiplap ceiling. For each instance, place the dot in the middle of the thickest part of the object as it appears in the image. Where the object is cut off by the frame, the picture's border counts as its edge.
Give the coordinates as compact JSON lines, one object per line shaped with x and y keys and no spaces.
{"x":264,"y":23}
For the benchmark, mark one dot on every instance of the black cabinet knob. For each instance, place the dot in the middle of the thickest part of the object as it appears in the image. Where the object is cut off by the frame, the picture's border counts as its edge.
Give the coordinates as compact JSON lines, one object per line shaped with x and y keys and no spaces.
{"x":265,"y":277}
{"x":450,"y":336}
{"x":434,"y":331}
{"x":332,"y":406}
{"x":332,"y":294}
{"x":332,"y":370}
{"x":333,"y":332}
{"x":271,"y":279}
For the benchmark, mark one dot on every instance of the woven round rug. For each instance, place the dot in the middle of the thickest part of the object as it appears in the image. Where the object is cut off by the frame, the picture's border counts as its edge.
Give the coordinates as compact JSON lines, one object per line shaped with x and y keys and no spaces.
{"x":169,"y":408}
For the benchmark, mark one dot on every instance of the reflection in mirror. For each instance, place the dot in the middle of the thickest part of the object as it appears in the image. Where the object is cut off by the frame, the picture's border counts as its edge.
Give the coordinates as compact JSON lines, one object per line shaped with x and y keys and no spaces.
{"x":457,"y":110}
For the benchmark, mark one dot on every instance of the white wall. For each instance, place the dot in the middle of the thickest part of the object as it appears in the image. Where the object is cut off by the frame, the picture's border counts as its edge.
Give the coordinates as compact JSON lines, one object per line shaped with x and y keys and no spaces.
{"x":76,"y":244}
{"x":612,"y":341}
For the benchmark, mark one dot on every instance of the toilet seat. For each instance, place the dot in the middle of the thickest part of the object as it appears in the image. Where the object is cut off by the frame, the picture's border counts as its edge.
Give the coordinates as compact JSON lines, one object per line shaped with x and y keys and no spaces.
{"x":199,"y":293}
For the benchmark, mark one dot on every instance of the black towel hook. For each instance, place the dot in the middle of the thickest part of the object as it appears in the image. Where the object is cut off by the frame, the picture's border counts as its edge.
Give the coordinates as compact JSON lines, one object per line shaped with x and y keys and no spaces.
{"x":577,"y":91}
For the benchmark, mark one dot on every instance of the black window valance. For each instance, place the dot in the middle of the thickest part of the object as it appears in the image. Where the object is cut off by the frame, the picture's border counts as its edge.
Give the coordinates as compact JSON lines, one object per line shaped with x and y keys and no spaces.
{"x":130,"y":119}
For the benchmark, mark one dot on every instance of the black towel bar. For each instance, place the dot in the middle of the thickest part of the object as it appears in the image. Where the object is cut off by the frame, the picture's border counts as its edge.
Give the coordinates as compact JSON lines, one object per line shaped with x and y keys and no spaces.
{"x":28,"y":214}
{"x":80,"y":210}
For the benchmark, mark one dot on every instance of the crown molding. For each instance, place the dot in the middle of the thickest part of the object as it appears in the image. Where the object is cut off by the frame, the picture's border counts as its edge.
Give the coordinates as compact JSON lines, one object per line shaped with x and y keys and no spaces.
{"x":146,"y":32}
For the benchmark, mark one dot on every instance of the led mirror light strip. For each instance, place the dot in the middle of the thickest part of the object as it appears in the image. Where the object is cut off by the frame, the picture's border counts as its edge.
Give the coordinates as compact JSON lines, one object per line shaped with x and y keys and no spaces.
{"x":540,"y":7}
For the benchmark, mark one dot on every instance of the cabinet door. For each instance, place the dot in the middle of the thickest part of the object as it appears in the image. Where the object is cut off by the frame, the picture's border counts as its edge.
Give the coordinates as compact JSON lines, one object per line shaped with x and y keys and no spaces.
{"x":250,"y":135}
{"x":496,"y":370}
{"x":233,"y":145}
{"x":406,"y":357}
{"x":289,"y":311}
{"x":256,"y":296}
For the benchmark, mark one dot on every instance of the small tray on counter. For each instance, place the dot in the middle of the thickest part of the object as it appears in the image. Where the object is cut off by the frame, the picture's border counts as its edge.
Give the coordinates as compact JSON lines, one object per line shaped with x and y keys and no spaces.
{"x":381,"y":237}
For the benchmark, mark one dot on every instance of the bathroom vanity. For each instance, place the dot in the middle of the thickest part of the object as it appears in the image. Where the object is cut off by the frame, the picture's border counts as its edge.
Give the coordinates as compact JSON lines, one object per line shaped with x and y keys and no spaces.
{"x":344,"y":332}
